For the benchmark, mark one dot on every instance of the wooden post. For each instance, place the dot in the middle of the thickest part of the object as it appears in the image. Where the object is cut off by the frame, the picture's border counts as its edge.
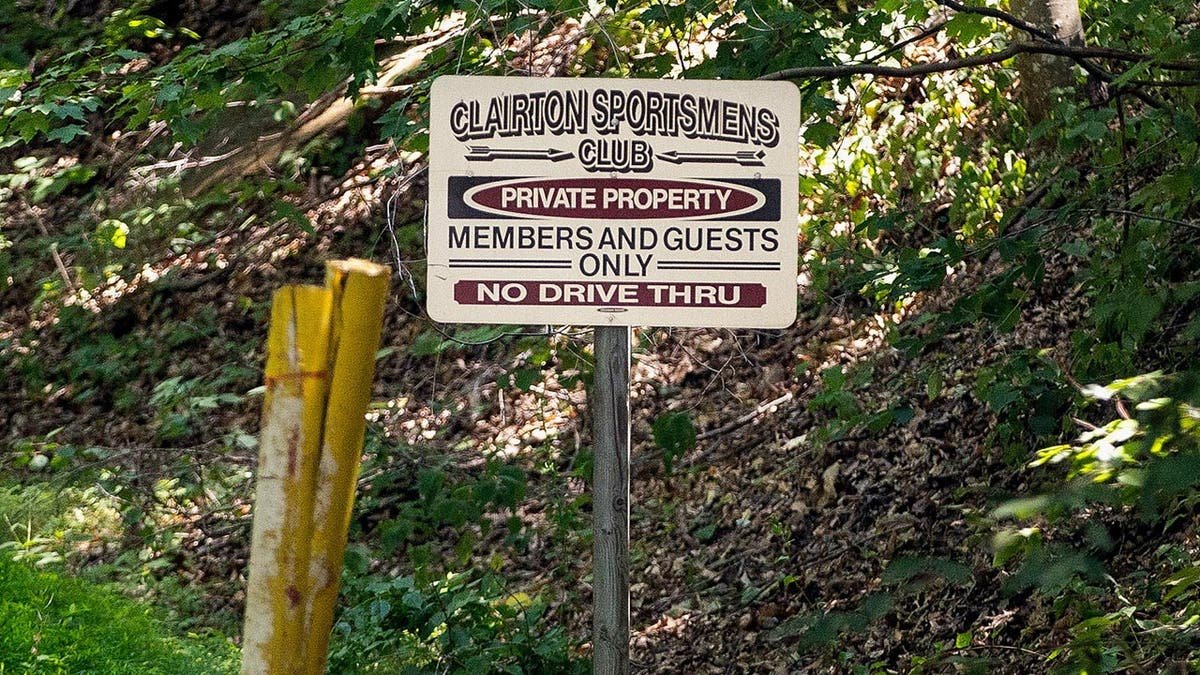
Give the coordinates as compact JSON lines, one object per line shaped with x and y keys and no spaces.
{"x":610,"y":502}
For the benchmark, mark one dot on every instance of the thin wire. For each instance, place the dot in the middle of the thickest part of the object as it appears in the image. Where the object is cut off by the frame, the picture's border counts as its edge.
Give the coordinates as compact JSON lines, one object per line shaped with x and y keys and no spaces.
{"x":402,"y":268}
{"x":407,"y":276}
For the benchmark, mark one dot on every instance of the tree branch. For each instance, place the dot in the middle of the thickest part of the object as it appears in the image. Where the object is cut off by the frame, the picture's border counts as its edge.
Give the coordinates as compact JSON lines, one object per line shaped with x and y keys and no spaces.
{"x":847,"y":70}
{"x":1033,"y":31}
{"x":1046,"y":36}
{"x":1028,"y":28}
{"x":835,"y":72}
{"x":1165,"y":83}
{"x":1047,"y":43}
{"x":932,"y":30}
{"x":1010,"y":19}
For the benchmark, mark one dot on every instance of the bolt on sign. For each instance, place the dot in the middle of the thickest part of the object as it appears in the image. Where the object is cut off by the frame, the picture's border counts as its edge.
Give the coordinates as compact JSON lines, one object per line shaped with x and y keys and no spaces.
{"x":613,"y":202}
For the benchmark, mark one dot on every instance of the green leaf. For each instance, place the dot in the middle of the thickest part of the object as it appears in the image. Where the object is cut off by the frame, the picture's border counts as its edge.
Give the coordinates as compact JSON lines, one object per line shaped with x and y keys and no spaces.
{"x":999,"y":397}
{"x":833,"y":378}
{"x":289,"y":212}
{"x":359,"y":10}
{"x":68,"y":111}
{"x":235,"y":48}
{"x":968,"y":27}
{"x":675,"y":434}
{"x":823,"y":134}
{"x":1022,"y":508}
{"x":427,"y":344}
{"x":1166,"y":478}
{"x":171,"y":91}
{"x":1181,"y":582}
{"x":65,"y":134}
{"x":114,"y":232}
{"x":933,"y":386}
{"x":1077,"y":248}
{"x":526,"y":378}
{"x":1140,"y":313}
{"x":910,"y":569}
{"x":481,"y":335}
{"x":357,"y":559}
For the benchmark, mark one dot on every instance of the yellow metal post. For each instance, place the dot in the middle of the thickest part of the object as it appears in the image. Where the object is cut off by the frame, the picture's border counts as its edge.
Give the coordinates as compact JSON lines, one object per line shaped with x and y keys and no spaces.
{"x":359,"y":291}
{"x":321,"y":349}
{"x":293,"y":412}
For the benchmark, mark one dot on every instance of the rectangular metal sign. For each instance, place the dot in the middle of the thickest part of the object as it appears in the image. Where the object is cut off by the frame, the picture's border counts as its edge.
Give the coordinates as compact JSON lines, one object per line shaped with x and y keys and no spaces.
{"x":623,"y":202}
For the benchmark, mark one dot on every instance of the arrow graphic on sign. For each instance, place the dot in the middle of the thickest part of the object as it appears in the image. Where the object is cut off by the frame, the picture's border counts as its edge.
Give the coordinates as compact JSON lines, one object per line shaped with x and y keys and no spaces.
{"x":482,"y":153}
{"x":743,"y":157}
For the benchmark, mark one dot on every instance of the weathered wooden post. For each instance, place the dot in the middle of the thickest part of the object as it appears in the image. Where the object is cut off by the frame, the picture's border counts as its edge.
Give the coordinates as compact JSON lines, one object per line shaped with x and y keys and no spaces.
{"x":610,"y":500}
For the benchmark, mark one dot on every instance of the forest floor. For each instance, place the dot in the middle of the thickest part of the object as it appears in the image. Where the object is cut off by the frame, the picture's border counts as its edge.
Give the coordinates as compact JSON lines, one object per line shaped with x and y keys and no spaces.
{"x":759,"y":528}
{"x":779,"y":527}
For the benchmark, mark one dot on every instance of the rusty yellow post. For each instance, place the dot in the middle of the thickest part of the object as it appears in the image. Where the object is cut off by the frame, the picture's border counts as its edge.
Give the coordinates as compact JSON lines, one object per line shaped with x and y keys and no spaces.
{"x":321,"y":349}
{"x":290,"y":440}
{"x":359,"y":294}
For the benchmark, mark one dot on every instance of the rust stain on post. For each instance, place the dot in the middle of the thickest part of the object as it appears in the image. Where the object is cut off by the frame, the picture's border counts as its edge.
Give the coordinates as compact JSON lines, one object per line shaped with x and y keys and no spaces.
{"x":293,"y":411}
{"x":293,"y":452}
{"x":320,"y":362}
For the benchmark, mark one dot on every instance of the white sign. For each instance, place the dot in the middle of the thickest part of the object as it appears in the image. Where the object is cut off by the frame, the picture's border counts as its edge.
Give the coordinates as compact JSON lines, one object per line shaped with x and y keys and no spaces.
{"x":624,"y":202}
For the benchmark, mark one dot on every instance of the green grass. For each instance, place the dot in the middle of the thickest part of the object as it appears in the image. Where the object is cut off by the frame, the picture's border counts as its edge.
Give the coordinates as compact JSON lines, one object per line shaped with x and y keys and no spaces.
{"x":53,"y":624}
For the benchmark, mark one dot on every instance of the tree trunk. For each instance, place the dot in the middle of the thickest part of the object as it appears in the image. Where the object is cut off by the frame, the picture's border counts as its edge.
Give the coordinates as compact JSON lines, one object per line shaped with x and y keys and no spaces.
{"x":1042,"y":73}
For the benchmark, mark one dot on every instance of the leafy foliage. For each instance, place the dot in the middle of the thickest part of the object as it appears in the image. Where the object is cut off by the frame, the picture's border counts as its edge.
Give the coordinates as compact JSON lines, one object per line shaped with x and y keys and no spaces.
{"x":113,"y":130}
{"x":675,"y":435}
{"x":460,"y":624}
{"x":1146,"y":459}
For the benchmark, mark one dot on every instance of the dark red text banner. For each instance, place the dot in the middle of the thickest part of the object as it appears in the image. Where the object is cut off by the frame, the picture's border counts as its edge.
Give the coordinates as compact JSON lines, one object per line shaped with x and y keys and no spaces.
{"x":609,"y":294}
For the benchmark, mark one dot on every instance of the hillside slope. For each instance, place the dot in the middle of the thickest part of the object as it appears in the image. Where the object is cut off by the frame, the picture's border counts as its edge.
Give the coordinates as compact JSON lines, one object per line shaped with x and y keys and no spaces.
{"x":837,"y":496}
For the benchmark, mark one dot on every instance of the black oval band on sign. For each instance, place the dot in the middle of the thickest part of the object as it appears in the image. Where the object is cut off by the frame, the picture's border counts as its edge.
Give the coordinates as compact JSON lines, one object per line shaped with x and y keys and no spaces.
{"x":610,"y":199}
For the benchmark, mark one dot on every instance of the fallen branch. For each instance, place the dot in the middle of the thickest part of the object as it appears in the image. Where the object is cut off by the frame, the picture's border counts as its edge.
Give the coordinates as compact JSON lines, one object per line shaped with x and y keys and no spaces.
{"x":327,"y":113}
{"x":174,"y":284}
{"x":744,"y":419}
{"x":58,"y":261}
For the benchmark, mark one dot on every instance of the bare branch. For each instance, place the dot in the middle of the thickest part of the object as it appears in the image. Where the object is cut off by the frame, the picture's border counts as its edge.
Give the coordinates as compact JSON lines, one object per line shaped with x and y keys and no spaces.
{"x":1091,"y":68}
{"x":1010,"y":19}
{"x":834,"y":72}
{"x":1165,"y":83}
{"x":932,"y":30}
{"x":1093,"y":52}
{"x":919,"y":70}
{"x":749,"y":417}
